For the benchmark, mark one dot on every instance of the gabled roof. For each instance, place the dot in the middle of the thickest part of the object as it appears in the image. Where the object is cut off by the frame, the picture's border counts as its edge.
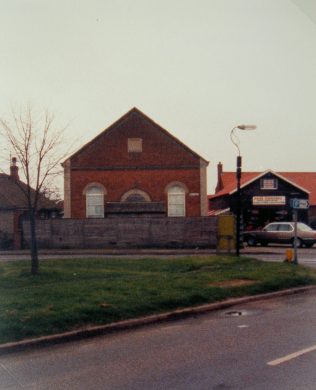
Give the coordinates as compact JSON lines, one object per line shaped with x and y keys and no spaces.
{"x":13,"y":197}
{"x":279,"y":175}
{"x":305,"y":181}
{"x":131,"y":112}
{"x":230,"y":184}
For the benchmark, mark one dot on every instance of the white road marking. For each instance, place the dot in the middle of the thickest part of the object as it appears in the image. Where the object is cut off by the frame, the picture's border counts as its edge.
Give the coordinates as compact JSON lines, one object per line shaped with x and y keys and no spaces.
{"x":291,"y":356}
{"x":242,"y":326}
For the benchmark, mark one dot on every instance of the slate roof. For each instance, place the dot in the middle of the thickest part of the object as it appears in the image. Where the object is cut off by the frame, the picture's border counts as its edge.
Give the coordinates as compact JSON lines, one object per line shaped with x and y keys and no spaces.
{"x":12,"y":196}
{"x":304,"y":180}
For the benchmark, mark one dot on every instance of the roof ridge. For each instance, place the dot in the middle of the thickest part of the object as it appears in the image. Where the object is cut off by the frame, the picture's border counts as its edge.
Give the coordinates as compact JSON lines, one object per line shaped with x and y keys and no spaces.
{"x":123,"y":118}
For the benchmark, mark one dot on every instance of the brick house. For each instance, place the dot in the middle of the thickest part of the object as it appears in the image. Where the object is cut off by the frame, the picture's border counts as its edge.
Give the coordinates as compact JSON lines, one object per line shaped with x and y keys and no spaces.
{"x":135,"y":168}
{"x":14,"y":208}
{"x":265,"y":196}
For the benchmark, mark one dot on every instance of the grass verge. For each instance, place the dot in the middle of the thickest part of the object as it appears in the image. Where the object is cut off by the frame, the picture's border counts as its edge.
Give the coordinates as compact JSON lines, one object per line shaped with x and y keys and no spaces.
{"x":69,"y":294}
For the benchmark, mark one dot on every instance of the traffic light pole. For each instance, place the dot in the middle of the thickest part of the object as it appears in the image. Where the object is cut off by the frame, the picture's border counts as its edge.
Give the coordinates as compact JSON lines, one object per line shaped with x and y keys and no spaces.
{"x":297,"y":204}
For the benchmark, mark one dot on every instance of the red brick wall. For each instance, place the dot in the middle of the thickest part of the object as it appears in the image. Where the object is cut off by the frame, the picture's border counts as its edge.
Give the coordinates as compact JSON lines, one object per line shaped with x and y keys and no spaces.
{"x":110,"y":147}
{"x":153,"y":182}
{"x":106,"y":160}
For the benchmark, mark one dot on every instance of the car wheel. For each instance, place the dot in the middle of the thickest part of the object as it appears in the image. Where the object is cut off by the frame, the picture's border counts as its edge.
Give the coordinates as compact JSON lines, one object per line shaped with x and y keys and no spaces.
{"x":299,"y":242}
{"x":251,"y":241}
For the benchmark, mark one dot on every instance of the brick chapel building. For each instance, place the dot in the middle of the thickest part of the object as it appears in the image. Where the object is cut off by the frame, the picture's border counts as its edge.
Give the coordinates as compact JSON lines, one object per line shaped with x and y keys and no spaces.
{"x":135,"y":168}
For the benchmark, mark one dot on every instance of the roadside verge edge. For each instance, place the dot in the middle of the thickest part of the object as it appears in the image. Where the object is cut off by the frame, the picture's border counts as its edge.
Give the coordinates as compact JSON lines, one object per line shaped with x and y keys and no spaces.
{"x":99,"y":330}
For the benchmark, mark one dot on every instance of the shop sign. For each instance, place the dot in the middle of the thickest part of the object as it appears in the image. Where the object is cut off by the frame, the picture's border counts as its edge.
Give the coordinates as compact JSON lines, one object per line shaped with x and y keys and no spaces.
{"x":268,"y":200}
{"x":299,"y":203}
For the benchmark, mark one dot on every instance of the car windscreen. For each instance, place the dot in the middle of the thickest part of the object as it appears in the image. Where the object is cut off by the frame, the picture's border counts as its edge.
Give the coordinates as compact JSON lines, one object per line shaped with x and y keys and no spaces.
{"x":304,"y":227}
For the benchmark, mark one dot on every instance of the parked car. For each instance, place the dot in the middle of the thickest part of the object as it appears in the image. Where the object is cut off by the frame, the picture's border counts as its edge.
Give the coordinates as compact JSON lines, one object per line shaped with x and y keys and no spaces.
{"x":281,"y":233}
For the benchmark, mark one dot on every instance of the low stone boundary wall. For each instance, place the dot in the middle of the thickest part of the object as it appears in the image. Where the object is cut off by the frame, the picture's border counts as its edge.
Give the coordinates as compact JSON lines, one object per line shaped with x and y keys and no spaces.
{"x":125,"y":232}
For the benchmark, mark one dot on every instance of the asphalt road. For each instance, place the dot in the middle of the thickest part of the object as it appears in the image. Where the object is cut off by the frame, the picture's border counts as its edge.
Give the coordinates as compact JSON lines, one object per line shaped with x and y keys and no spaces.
{"x":306,"y":256}
{"x":268,"y":345}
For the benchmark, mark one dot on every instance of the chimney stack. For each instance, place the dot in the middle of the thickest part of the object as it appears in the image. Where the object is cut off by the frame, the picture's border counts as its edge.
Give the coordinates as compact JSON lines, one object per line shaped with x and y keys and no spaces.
{"x":219,"y":177}
{"x":14,"y":169}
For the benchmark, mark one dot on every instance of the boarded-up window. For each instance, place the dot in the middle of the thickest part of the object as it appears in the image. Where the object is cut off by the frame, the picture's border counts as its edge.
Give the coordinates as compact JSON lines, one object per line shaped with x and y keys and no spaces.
{"x":269,"y":184}
{"x":134,"y":145}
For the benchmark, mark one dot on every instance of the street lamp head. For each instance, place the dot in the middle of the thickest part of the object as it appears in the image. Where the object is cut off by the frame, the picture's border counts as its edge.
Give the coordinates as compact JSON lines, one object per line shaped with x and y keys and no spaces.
{"x":233,"y":136}
{"x":246,"y":127}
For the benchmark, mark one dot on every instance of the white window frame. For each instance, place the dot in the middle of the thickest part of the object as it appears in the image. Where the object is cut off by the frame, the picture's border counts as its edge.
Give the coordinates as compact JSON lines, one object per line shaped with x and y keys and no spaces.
{"x":176,"y":201}
{"x":94,"y":202}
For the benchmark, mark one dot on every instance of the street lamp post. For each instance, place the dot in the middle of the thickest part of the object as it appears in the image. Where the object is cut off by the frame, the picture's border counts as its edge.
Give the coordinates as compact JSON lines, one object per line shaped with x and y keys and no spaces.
{"x":235,"y":141}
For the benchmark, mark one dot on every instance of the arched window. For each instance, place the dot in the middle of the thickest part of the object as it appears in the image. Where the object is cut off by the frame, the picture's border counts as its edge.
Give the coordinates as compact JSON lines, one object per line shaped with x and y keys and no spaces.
{"x":176,"y":201}
{"x":135,"y":196}
{"x":94,"y":202}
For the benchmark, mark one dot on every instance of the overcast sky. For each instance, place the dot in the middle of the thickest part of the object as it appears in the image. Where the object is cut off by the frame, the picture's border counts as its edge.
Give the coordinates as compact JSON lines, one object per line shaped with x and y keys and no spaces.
{"x":197,"y":67}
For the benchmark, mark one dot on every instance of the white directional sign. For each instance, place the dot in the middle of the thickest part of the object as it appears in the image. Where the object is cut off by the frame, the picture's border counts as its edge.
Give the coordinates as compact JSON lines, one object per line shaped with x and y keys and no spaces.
{"x":299,"y":203}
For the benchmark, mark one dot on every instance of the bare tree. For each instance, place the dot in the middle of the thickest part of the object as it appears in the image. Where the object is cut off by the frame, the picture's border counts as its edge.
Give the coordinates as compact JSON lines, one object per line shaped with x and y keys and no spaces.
{"x":40,"y":148}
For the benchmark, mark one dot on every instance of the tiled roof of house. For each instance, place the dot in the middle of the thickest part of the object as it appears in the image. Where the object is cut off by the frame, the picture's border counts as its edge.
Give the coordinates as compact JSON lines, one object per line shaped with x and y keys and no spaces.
{"x":13,"y":197}
{"x":304,"y":180}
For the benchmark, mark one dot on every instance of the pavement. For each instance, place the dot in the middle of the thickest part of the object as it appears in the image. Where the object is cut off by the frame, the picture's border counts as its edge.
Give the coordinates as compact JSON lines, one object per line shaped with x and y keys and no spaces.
{"x":271,"y":249}
{"x":131,"y":252}
{"x":137,"y":252}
